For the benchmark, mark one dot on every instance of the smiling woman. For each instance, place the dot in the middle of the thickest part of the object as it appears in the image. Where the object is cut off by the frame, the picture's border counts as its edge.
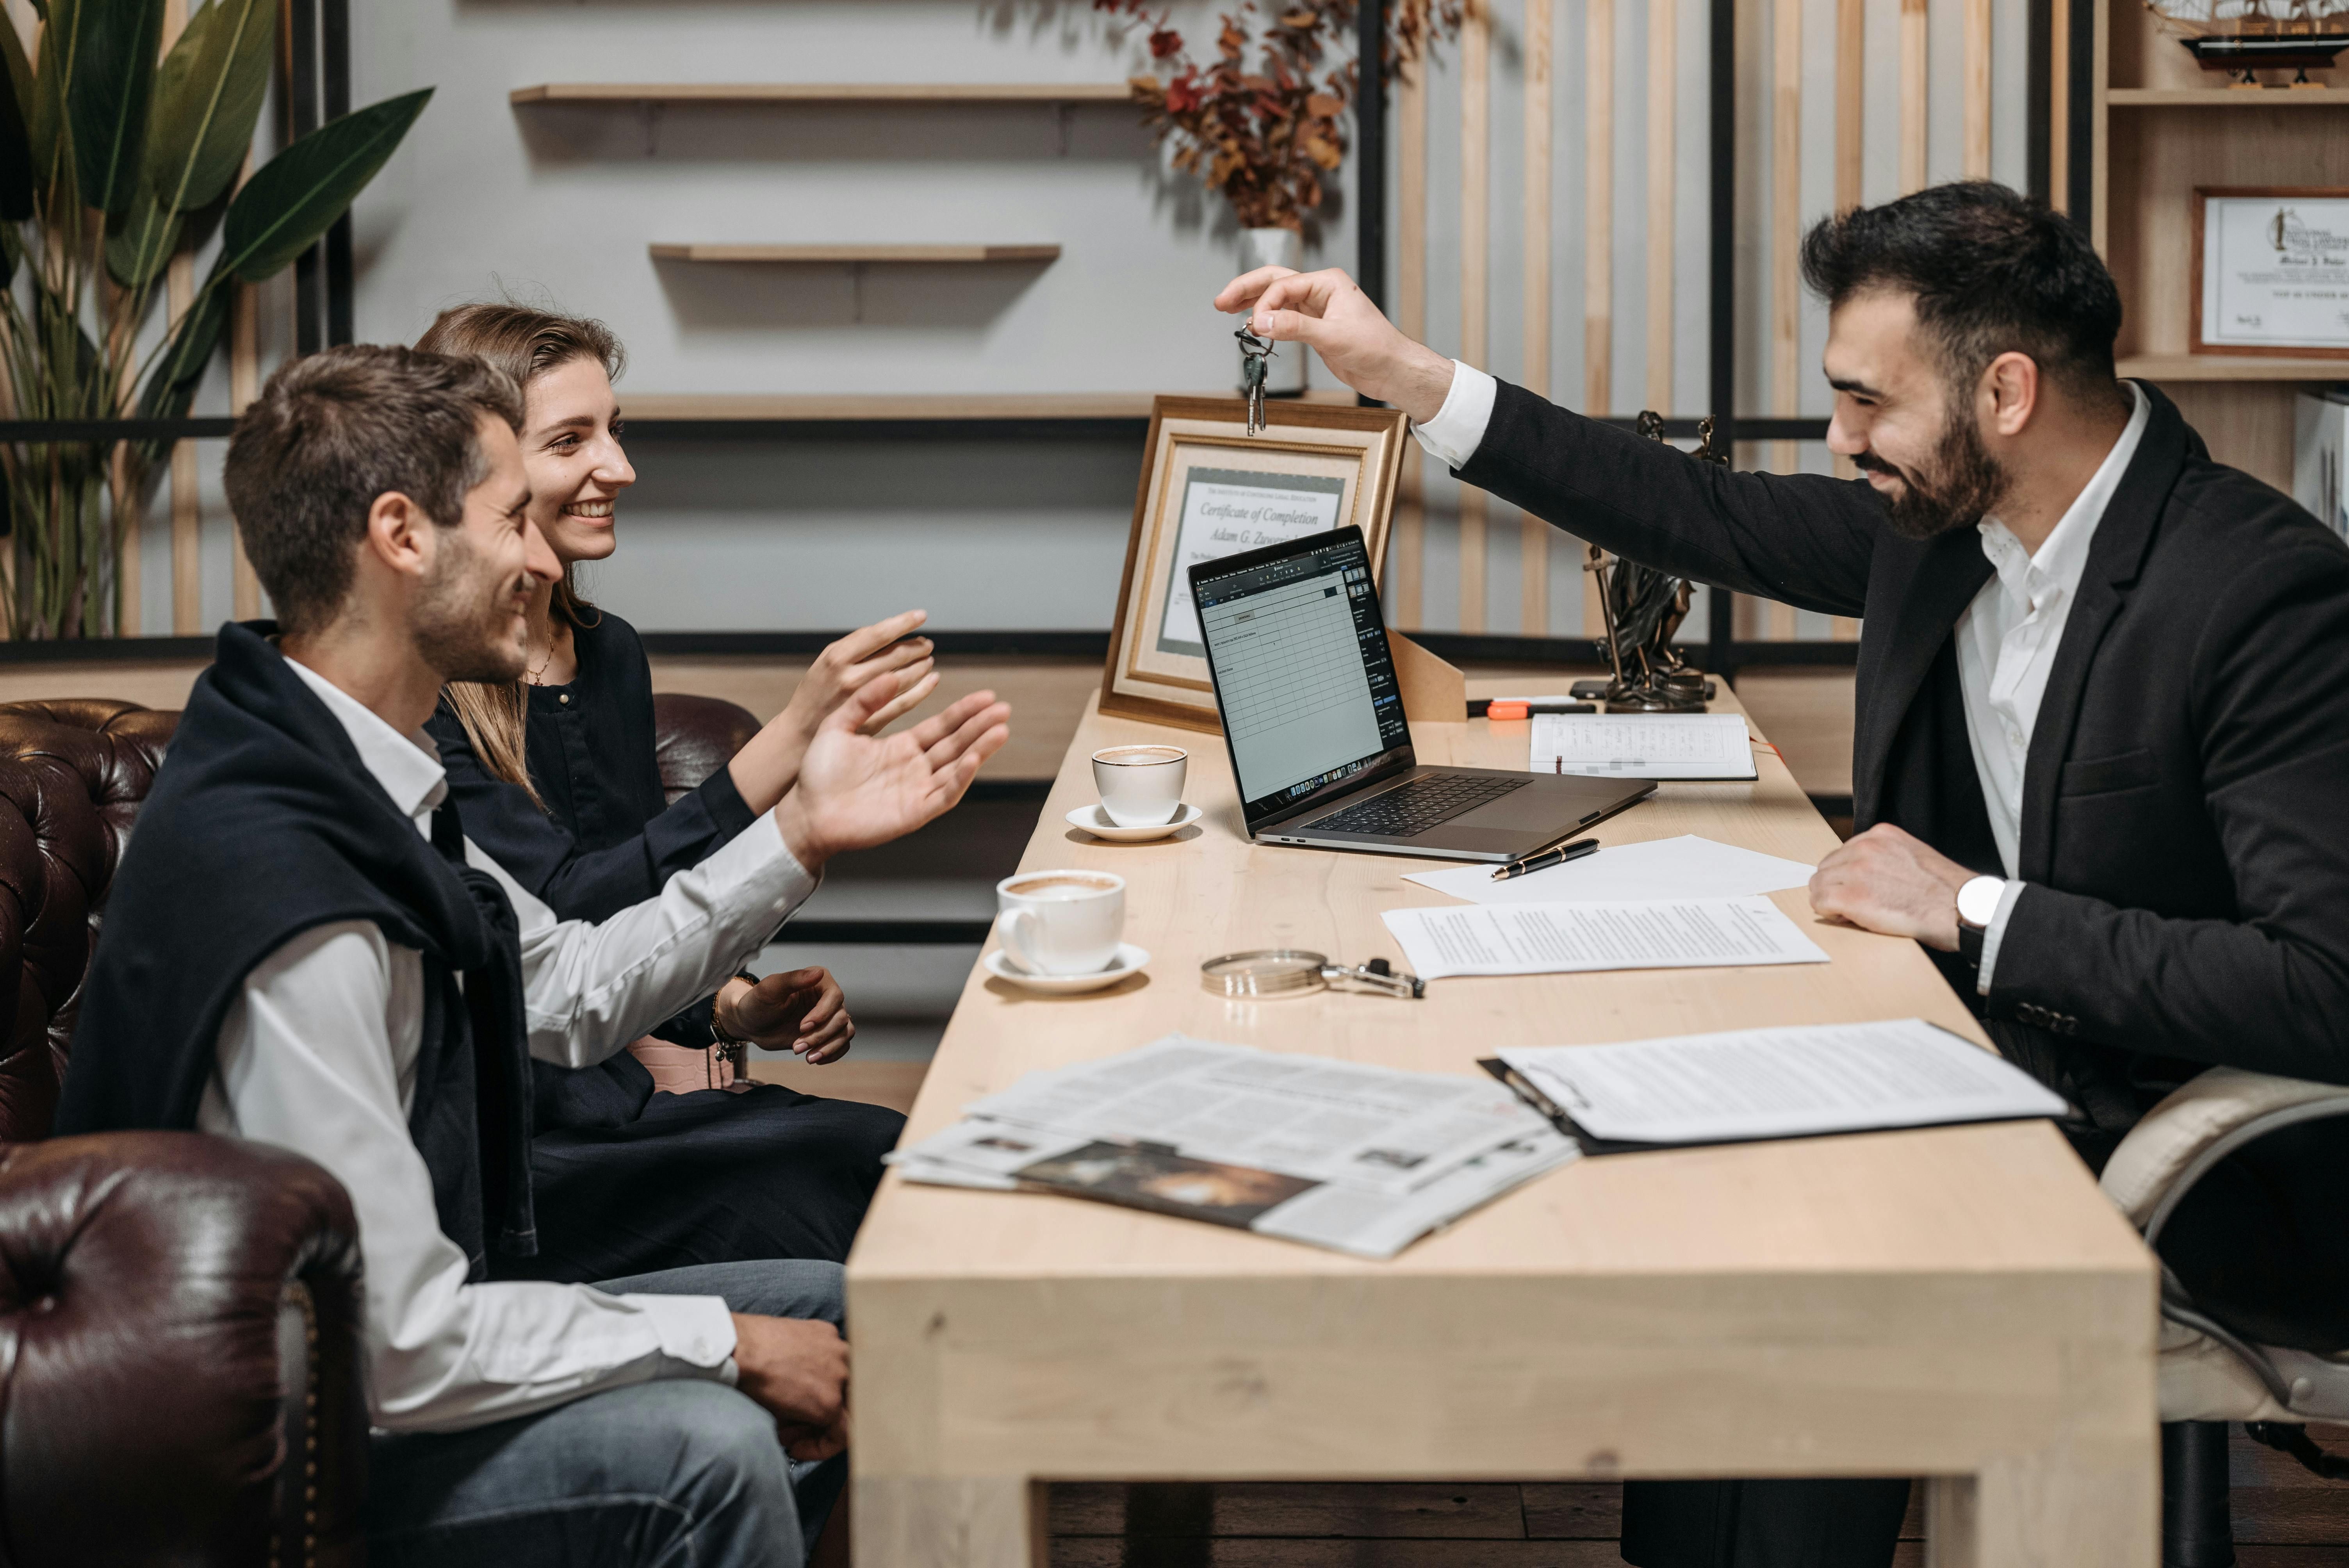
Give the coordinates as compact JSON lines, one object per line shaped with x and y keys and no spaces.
{"x":554,"y":776}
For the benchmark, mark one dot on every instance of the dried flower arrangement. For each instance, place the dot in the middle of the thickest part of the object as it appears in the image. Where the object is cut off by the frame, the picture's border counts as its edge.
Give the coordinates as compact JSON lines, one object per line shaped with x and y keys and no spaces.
{"x":1270,"y":137}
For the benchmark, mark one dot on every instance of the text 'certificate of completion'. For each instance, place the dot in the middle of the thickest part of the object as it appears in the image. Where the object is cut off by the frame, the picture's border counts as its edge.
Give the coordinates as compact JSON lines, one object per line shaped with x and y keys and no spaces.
{"x":1227,"y":510}
{"x":1575,"y":938}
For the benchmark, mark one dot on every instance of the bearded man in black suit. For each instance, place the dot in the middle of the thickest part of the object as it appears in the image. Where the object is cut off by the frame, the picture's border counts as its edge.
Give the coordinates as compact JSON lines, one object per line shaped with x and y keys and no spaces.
{"x":2101,"y":761}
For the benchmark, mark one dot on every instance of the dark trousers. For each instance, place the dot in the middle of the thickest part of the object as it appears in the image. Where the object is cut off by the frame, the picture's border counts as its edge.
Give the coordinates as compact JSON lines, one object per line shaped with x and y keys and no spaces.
{"x":1762,"y":1524}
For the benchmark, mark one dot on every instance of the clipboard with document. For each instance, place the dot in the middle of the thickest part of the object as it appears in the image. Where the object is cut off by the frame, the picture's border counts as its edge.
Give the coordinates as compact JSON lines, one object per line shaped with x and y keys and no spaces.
{"x":1744,"y":1086}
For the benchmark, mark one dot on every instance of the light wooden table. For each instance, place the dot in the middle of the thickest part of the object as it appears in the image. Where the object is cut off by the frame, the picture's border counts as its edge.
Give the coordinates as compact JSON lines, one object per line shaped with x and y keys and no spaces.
{"x":1959,"y":1303}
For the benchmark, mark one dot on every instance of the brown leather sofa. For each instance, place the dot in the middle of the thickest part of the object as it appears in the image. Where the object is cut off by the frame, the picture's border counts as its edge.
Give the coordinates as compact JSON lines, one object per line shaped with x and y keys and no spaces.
{"x":179,"y":1316}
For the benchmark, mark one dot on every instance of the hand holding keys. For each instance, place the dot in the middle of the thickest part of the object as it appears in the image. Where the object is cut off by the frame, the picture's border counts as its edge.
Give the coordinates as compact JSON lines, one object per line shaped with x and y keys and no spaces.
{"x":1256,"y":354}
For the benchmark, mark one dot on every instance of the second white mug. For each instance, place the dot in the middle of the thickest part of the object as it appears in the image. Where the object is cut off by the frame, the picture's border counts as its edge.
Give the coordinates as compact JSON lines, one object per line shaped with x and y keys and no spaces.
{"x":1062,"y":923}
{"x":1140,"y":786}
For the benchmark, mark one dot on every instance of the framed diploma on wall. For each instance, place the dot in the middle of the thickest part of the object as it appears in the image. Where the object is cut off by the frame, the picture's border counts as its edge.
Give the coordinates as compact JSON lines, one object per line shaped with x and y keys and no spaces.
{"x":1210,"y":490}
{"x":2271,"y":270}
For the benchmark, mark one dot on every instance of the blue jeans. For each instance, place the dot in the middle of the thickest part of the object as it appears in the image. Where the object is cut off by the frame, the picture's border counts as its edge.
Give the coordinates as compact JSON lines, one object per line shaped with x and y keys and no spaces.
{"x":678,"y":1473}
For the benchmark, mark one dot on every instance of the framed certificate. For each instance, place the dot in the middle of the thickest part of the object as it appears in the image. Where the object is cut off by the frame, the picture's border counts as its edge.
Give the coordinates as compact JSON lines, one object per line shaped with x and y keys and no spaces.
{"x":2271,"y":270}
{"x":1210,"y":490}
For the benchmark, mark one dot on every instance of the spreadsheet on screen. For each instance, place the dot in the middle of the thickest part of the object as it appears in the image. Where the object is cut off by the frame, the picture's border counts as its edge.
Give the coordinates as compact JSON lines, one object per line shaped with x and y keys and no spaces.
{"x":1296,"y":695}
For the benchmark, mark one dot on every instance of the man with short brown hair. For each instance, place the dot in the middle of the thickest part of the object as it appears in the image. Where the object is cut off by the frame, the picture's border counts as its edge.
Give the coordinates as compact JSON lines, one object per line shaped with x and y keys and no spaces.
{"x":302,"y":948}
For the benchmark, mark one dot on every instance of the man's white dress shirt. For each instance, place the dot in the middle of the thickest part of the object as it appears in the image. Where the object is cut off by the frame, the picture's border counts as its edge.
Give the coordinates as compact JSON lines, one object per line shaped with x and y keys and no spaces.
{"x":318,"y":1055}
{"x":2007,"y":637}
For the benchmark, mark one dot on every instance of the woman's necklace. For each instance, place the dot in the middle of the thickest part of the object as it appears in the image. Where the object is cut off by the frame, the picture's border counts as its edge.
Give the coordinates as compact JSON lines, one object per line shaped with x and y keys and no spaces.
{"x":531,"y":675}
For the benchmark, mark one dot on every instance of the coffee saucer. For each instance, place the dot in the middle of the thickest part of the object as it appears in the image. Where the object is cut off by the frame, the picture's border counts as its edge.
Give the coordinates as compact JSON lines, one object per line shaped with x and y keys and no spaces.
{"x":1129,"y":961}
{"x":1094,"y":820}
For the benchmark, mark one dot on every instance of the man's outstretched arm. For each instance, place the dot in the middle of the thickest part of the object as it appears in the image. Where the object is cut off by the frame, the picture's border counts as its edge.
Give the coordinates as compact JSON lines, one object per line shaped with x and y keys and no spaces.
{"x":1803,"y":539}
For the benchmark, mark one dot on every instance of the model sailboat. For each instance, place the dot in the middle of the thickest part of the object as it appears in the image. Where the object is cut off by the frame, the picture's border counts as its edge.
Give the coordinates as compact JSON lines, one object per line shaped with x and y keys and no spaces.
{"x":2243,"y":37}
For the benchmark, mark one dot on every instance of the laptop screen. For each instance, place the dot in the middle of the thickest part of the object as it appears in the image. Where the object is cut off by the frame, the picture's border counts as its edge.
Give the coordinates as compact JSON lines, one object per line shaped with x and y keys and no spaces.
{"x":1299,"y":650}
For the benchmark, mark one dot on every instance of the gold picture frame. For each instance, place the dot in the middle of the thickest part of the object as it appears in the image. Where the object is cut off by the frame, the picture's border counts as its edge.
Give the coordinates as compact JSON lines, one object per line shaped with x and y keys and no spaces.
{"x":1210,"y":490}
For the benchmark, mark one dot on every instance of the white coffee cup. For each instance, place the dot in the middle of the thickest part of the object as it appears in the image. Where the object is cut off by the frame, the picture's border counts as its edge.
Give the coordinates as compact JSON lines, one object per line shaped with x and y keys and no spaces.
{"x":1140,"y":786}
{"x":1062,"y":923}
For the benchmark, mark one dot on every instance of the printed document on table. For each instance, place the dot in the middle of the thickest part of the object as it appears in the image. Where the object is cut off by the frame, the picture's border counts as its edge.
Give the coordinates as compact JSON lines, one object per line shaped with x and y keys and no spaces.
{"x":1685,"y":867}
{"x":1573,"y":938}
{"x":1379,"y":1127}
{"x":1643,"y":745}
{"x":1781,"y":1082}
{"x":1337,"y":1154}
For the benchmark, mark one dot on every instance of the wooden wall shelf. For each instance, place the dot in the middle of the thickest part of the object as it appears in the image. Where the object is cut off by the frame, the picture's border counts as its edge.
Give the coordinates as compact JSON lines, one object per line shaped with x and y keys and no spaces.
{"x":2232,"y":367}
{"x":2227,"y":97}
{"x":945,"y":94}
{"x":788,"y":408}
{"x":856,"y":254}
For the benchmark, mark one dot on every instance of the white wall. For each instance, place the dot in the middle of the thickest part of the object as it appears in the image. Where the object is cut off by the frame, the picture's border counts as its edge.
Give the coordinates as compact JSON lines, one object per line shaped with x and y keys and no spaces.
{"x":558,"y":205}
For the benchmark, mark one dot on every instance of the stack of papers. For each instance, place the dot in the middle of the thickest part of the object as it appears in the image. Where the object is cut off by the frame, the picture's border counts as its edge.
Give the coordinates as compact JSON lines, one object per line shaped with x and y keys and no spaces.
{"x":1576,"y":938}
{"x":1790,"y":1082}
{"x":1361,"y":1159}
{"x":1685,"y":867}
{"x":1643,"y":745}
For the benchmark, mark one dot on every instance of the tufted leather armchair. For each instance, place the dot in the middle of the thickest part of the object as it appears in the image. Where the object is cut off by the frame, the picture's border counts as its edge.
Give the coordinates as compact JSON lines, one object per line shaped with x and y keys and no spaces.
{"x":174,"y":1308}
{"x":179,"y":1316}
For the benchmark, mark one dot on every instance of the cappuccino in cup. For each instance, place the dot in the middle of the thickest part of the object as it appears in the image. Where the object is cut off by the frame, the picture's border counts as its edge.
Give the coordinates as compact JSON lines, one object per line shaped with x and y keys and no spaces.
{"x":1061,"y":922}
{"x":1140,"y":786}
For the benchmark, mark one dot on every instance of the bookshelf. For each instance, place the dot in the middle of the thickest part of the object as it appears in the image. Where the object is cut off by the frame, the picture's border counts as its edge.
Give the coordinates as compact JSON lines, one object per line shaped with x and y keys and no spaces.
{"x":2161,"y":125}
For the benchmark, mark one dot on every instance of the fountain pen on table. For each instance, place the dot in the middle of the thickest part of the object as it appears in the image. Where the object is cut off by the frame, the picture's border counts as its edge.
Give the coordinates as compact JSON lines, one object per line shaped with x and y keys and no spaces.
{"x":1547,"y":859}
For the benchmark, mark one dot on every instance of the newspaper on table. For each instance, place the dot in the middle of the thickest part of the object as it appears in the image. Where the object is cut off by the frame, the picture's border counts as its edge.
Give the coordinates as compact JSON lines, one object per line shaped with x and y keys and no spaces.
{"x":1358,"y":1158}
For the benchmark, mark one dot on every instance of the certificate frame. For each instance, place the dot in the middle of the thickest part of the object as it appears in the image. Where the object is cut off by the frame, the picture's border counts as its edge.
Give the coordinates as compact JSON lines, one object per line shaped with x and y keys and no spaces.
{"x":1352,"y":456}
{"x":2214,"y":300}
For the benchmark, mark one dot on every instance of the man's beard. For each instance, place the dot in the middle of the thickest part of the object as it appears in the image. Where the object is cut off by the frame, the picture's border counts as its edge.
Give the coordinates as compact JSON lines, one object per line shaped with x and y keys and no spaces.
{"x":1967,"y":483}
{"x":459,"y":622}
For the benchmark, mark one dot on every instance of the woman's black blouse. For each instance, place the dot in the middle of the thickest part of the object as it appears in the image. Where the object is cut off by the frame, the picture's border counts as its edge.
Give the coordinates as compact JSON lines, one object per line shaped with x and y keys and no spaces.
{"x":607,"y":839}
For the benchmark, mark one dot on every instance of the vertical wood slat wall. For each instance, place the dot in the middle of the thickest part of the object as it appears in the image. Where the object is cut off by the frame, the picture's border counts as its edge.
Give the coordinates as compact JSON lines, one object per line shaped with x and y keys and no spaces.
{"x":1545,"y":38}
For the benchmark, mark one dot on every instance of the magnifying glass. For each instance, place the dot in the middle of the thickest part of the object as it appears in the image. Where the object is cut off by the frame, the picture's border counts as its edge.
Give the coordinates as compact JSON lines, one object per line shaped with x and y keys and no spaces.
{"x":1294,"y":972}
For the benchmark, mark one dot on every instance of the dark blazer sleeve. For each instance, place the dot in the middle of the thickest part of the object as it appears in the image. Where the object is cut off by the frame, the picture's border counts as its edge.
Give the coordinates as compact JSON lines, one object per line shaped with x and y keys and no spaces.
{"x":2267,"y":990}
{"x":540,"y":853}
{"x":1803,"y":539}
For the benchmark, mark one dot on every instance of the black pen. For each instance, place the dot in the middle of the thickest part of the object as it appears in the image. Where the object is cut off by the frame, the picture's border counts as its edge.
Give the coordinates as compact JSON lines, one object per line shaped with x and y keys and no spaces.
{"x":1547,"y":859}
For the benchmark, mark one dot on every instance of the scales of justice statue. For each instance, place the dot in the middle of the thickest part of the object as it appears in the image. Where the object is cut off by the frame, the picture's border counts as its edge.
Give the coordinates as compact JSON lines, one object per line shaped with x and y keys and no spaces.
{"x":1644,"y":608}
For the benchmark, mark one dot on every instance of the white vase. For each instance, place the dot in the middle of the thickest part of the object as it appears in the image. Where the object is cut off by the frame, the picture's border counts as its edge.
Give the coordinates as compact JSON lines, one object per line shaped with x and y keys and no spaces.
{"x":1278,"y":248}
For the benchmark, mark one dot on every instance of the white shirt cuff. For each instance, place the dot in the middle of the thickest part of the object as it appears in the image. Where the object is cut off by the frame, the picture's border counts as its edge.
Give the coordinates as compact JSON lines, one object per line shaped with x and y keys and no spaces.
{"x":695,"y":1334}
{"x":1452,"y":436}
{"x":1995,"y":932}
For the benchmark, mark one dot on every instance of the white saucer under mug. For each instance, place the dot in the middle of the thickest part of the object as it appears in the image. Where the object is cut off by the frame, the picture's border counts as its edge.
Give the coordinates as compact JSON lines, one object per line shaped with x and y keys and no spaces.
{"x":1130,"y":960}
{"x":1094,"y":820}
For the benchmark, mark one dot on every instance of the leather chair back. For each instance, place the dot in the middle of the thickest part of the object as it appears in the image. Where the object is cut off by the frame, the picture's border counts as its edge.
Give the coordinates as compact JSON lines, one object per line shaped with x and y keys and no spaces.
{"x":694,"y":736}
{"x":72,"y":775}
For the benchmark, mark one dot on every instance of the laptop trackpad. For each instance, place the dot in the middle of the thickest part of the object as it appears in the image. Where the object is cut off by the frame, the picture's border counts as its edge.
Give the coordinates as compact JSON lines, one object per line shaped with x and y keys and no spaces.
{"x":1530,"y":810}
{"x":1476,"y":841}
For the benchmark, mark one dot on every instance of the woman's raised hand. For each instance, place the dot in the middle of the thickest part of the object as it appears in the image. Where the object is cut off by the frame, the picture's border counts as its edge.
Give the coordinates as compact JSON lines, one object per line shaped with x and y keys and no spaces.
{"x":765,"y":769}
{"x":849,"y":664}
{"x":856,"y":790}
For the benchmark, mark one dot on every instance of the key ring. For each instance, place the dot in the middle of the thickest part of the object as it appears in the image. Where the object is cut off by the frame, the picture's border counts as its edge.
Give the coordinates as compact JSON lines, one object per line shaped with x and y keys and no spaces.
{"x":1294,"y":972}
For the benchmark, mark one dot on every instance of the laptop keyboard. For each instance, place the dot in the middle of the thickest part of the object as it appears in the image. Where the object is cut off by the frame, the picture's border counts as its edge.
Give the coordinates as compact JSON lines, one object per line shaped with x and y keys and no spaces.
{"x":1411,"y":809}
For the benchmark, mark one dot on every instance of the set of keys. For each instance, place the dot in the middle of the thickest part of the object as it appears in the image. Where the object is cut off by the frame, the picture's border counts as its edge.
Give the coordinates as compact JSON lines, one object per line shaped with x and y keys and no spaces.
{"x":1255,"y":364}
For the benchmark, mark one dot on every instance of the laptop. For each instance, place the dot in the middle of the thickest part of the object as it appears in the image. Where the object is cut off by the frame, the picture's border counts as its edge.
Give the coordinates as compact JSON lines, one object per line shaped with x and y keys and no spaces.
{"x":1313,"y":719}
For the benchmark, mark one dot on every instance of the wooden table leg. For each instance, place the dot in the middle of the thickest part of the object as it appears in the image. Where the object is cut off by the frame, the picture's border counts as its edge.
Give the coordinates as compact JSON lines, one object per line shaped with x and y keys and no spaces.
{"x":2054,"y":1508}
{"x":949,"y":1521}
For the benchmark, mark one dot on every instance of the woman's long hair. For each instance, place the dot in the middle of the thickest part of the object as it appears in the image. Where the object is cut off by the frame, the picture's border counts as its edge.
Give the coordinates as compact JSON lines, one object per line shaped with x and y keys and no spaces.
{"x":525,"y":344}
